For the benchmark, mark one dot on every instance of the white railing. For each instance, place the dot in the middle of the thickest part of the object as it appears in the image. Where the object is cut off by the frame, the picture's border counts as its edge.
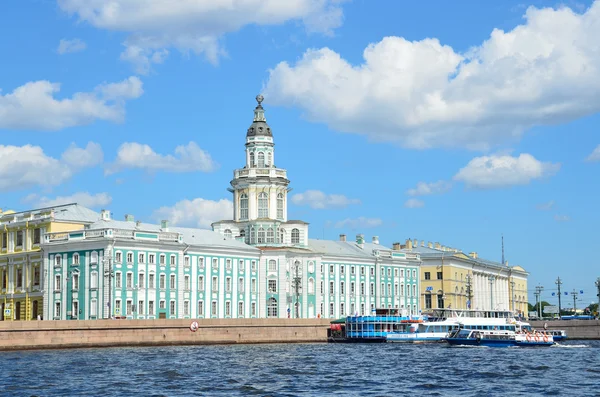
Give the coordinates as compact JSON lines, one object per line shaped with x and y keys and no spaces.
{"x":168,"y":236}
{"x":57,"y":236}
{"x":123,"y":233}
{"x":414,"y":257}
{"x":253,"y":172}
{"x":94,"y":233}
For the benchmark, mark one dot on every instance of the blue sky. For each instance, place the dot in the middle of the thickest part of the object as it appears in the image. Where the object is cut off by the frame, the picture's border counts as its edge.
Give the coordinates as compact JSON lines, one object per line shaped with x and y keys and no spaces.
{"x":450,"y":122}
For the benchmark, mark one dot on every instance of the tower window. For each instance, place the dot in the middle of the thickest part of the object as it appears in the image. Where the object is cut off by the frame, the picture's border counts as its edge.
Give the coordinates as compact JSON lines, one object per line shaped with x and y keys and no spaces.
{"x":261,"y":160}
{"x":270,"y":235}
{"x":295,"y":236}
{"x":244,"y":207}
{"x":280,"y":206}
{"x":263,"y":205}
{"x":261,"y":235}
{"x":251,"y":159}
{"x":227,"y":233}
{"x":269,"y":159}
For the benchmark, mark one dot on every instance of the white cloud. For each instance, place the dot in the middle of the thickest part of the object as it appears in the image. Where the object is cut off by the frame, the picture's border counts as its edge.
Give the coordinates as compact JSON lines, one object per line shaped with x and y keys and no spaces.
{"x":187,"y":158}
{"x":414,"y":203}
{"x":561,"y":218}
{"x":27,"y":166}
{"x":424,"y":189}
{"x":545,"y":206}
{"x":488,"y":172}
{"x":195,"y":26}
{"x":68,"y":46}
{"x":83,"y":198}
{"x":78,"y":157}
{"x":33,"y":106}
{"x":319,"y":200}
{"x":423,"y":94}
{"x":595,"y":155}
{"x":196,"y":213}
{"x":359,"y":223}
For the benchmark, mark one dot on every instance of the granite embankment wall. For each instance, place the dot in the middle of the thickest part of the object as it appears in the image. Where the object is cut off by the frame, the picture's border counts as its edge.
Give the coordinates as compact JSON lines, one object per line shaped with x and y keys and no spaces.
{"x":576,"y":329}
{"x":19,"y":335}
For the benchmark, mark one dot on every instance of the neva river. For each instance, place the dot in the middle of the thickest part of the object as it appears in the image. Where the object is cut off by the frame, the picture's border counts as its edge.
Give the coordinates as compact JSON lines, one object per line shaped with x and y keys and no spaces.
{"x":572,"y":369}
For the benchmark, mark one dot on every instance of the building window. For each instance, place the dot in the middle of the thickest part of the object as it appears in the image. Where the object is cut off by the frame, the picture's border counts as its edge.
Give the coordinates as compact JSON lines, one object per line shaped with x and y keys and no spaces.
{"x":19,"y":238}
{"x":352,"y":270}
{"x":272,"y":308}
{"x":331,"y":310}
{"x":395,"y":272}
{"x":281,"y":236}
{"x":428,"y":301}
{"x":261,"y":160}
{"x":228,"y":264}
{"x":389,"y":289}
{"x":19,"y":278}
{"x":272,"y":284}
{"x":228,"y":284}
{"x":240,"y":285}
{"x":253,"y":309}
{"x":76,"y":259}
{"x":440,"y":301}
{"x":270,"y":235}
{"x":439,"y":276}
{"x":252,"y":236}
{"x":227,"y":233}
{"x":151,"y":280}
{"x":129,"y":257}
{"x":372,"y":289}
{"x":4,"y":240}
{"x":322,"y":288}
{"x":331,"y":288}
{"x":244,"y":207}
{"x":129,"y":280}
{"x":141,"y":280}
{"x":186,"y":282}
{"x":253,"y":285}
{"x":200,"y":308}
{"x":162,"y":282}
{"x":129,"y":307}
{"x":389,"y":272}
{"x":342,"y":291}
{"x":252,"y":160}
{"x":172,"y":284}
{"x":253,"y":266}
{"x":362,"y":270}
{"x":186,"y":308}
{"x":200,"y":263}
{"x":215,"y":263}
{"x":372,"y":271}
{"x":272,"y":266}
{"x":151,"y":308}
{"x":186,"y":261}
{"x":152,"y":259}
{"x":200,"y":283}
{"x":269,"y":159}
{"x":118,"y":306}
{"x":401,"y":289}
{"x":352,"y":288}
{"x":241,"y":266}
{"x":414,"y":274}
{"x":240,"y":309}
{"x":163,"y":259}
{"x":362,"y":288}
{"x":75,"y":281}
{"x":427,"y":275}
{"x":140,"y":308}
{"x":342,"y":309}
{"x":172,"y":260}
{"x":228,"y":308}
{"x":118,"y":279}
{"x":94,"y":280}
{"x":118,"y":257}
{"x":331,"y":269}
{"x":311,"y":286}
{"x":342,"y":269}
{"x":57,"y":309}
{"x":93,"y":308}
{"x":382,"y":290}
{"x":213,"y":308}
{"x":36,"y":275}
{"x":172,"y":308}
{"x":295,"y":236}
{"x":414,"y":290}
{"x":162,"y":305}
{"x":263,"y":205}
{"x":141,"y":258}
{"x":280,"y":206}
{"x":215,"y":283}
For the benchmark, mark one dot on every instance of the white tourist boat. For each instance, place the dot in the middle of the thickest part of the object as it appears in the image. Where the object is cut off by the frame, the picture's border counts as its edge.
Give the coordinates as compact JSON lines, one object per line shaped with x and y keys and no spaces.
{"x":437,"y":327}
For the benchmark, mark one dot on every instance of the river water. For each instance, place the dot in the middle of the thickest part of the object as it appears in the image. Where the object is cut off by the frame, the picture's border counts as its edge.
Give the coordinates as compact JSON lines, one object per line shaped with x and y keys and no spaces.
{"x":570,"y":369}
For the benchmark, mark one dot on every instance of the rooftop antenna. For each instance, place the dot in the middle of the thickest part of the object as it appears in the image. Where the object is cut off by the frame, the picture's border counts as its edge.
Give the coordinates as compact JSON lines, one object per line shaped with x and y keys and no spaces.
{"x":503,"y":263}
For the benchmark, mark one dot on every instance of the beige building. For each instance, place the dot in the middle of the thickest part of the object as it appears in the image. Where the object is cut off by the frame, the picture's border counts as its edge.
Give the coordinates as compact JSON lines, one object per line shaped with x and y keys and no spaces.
{"x":451,"y":278}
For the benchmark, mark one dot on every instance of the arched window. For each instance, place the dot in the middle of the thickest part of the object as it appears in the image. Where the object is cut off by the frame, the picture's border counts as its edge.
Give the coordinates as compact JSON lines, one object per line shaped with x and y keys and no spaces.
{"x":272,"y":308}
{"x":272,"y":266}
{"x":261,"y":235}
{"x":269,"y":159}
{"x":252,"y":236}
{"x":227,"y":233}
{"x":94,"y":258}
{"x":251,"y":159}
{"x":243,"y":233}
{"x":311,"y":286}
{"x":244,"y":206}
{"x":295,"y":236}
{"x":263,"y":205}
{"x":270,"y":235}
{"x":281,"y":236}
{"x":402,"y":289}
{"x":261,"y":160}
{"x":311,"y":267}
{"x":280,"y":206}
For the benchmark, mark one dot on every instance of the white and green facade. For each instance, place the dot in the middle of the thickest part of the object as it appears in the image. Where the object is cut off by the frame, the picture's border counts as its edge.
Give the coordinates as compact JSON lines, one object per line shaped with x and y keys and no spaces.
{"x":257,"y":265}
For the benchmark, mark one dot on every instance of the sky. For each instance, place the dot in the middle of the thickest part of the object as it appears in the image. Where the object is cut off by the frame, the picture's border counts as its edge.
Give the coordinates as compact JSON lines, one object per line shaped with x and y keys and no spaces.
{"x":450,"y":122}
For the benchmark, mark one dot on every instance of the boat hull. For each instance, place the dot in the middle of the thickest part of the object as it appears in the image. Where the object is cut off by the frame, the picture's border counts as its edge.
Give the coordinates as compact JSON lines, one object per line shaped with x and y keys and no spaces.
{"x":496,"y":342}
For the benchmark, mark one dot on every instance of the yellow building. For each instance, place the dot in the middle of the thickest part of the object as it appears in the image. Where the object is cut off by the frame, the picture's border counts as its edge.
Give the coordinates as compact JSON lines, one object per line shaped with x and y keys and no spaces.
{"x":453,"y":279}
{"x":21,"y":257}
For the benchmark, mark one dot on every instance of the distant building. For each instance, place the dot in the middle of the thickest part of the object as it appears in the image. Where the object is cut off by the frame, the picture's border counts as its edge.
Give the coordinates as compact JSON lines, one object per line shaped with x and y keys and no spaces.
{"x":453,"y":279}
{"x":258,"y":264}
